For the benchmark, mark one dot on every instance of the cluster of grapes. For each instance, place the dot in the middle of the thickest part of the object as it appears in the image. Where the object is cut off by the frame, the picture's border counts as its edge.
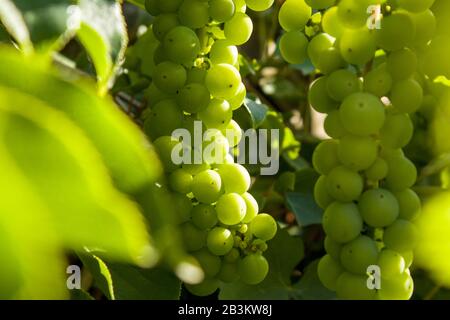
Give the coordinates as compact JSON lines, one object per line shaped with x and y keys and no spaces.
{"x":368,"y":52}
{"x":196,"y":85}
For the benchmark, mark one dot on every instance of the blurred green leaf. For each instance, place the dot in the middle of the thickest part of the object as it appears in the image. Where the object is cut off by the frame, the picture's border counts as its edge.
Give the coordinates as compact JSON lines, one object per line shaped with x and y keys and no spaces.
{"x":79,"y":294}
{"x":257,"y":111}
{"x":305,"y":208}
{"x":100,"y":272}
{"x":310,"y":288}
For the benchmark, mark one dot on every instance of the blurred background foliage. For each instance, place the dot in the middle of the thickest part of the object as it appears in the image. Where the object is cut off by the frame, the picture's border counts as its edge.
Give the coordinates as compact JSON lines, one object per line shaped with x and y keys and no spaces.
{"x":82,"y":185}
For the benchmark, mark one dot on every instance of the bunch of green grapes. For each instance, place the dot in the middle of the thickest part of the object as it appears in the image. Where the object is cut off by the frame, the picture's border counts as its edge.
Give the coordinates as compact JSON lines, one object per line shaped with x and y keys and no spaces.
{"x":196,"y":85}
{"x":371,"y":82}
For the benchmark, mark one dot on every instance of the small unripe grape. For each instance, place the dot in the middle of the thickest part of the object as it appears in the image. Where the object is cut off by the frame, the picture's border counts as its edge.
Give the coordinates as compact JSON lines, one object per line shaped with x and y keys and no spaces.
{"x":359,"y":254}
{"x":207,"y":186}
{"x":253,"y":269}
{"x":401,"y":236}
{"x":263,"y":226}
{"x":231,"y":209}
{"x":378,"y":207}
{"x":204,"y":216}
{"x":329,"y":271}
{"x":219,"y":241}
{"x":344,"y":184}
{"x":342,"y":222}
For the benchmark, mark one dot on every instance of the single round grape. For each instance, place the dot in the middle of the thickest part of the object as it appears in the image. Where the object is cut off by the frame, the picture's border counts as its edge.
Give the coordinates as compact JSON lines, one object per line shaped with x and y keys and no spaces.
{"x":181,"y":45}
{"x":409,"y":204}
{"x":391,"y":263}
{"x":332,"y":248}
{"x":231,"y":209}
{"x":253,"y":269}
{"x":204,"y":216}
{"x":169,"y":77}
{"x":263,"y":226}
{"x":329,"y":271}
{"x":180,"y":181}
{"x":193,"y":238}
{"x":344,"y":184}
{"x":362,"y":114}
{"x":163,"y":23}
{"x":238,"y":99}
{"x":325,"y":157}
{"x":183,"y":207}
{"x":415,"y":5}
{"x":330,"y":60}
{"x":228,"y":272}
{"x":354,"y":287}
{"x":407,"y":95}
{"x":210,"y":263}
{"x":321,"y":195}
{"x":401,"y":236}
{"x":193,"y":98}
{"x":401,"y":64}
{"x":359,"y":254}
{"x":219,"y":241}
{"x":205,"y":288}
{"x":196,"y":75}
{"x":154,"y":95}
{"x":233,"y":133}
{"x":252,"y":207}
{"x":235,"y":178}
{"x":331,"y":23}
{"x":163,"y":119}
{"x":397,"y":131}
{"x":152,"y":7}
{"x":206,"y":186}
{"x":223,"y":80}
{"x":396,"y":288}
{"x":223,"y":52}
{"x":357,"y":46}
{"x":169,"y":5}
{"x":217,"y":114}
{"x":402,"y":173}
{"x":238,"y":29}
{"x":194,"y":13}
{"x":294,"y":14}
{"x":378,"y":207}
{"x":426,"y":24}
{"x":320,"y":4}
{"x":165,"y":145}
{"x":318,"y":96}
{"x":259,"y":5}
{"x":378,"y":81}
{"x":341,"y":84}
{"x":221,"y":10}
{"x":352,"y":13}
{"x":293,"y":47}
{"x":342,"y":222}
{"x":318,"y":44}
{"x":215,"y":147}
{"x":378,"y":170}
{"x":357,"y":153}
{"x":333,"y":125}
{"x":232,"y":256}
{"x":396,"y":32}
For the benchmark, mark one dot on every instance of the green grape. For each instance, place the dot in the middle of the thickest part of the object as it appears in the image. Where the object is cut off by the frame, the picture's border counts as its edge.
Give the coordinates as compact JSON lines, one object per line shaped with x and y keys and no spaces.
{"x":401,"y":236}
{"x":204,"y":216}
{"x":183,"y":207}
{"x":215,"y":147}
{"x":253,"y":269}
{"x":362,"y":114}
{"x":344,"y":184}
{"x":154,"y":95}
{"x":193,"y":98}
{"x":391,"y":263}
{"x":294,"y":15}
{"x":396,"y":288}
{"x":402,"y":64}
{"x":318,"y":96}
{"x":329,"y":271}
{"x":223,"y":52}
{"x":402,"y":173}
{"x":397,"y":131}
{"x":293,"y":46}
{"x":223,"y":80}
{"x":333,"y":248}
{"x":219,"y":241}
{"x":238,"y":99}
{"x":354,"y":287}
{"x":165,"y":146}
{"x":221,"y":10}
{"x":333,"y":125}
{"x":321,"y":195}
{"x":357,"y":46}
{"x":409,"y":204}
{"x":163,"y":24}
{"x":169,"y":77}
{"x":232,"y":256}
{"x":252,"y":207}
{"x":397,"y":31}
{"x":231,"y":209}
{"x":238,"y":29}
{"x":259,"y":5}
{"x":196,"y":75}
{"x":330,"y":60}
{"x":352,"y":13}
{"x":378,"y":208}
{"x":425,"y":23}
{"x":206,"y":186}
{"x":415,"y":5}
{"x":180,"y":181}
{"x":377,"y":171}
{"x":331,"y":23}
{"x":378,"y":81}
{"x":263,"y":226}
{"x":407,"y":96}
{"x":235,"y":178}
{"x":163,"y":119}
{"x":325,"y":157}
{"x":342,"y":222}
{"x":434,"y":61}
{"x":152,"y":7}
{"x":193,"y":238}
{"x":181,"y":45}
{"x":168,"y":6}
{"x":357,"y":153}
{"x":359,"y":254}
{"x":240,"y":5}
{"x":409,"y":257}
{"x":388,"y":153}
{"x":217,"y":114}
{"x":341,"y":84}
{"x":194,"y":13}
{"x":319,"y":44}
{"x":159,"y":55}
{"x":206,"y":288}
{"x":320,"y":4}
{"x":233,"y":133}
{"x":228,"y":273}
{"x":210,"y":263}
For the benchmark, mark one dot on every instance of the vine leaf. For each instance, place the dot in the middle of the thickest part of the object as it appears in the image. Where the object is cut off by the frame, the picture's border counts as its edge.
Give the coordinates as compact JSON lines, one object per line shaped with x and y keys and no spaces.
{"x":310,"y":288}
